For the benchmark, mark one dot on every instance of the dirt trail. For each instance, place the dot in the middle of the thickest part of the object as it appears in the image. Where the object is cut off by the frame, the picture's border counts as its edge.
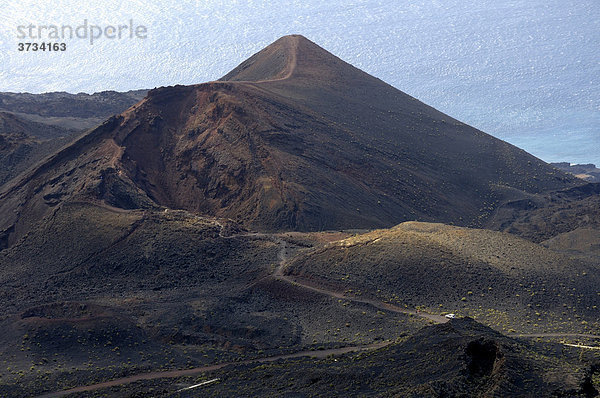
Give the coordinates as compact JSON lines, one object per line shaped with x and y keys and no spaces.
{"x":291,"y":67}
{"x":377,"y":304}
{"x":204,"y":369}
{"x":282,"y":257}
{"x":279,"y":275}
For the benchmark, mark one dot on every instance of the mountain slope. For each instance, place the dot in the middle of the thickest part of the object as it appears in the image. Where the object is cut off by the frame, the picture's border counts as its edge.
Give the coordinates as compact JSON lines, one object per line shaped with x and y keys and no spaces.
{"x":293,"y":139}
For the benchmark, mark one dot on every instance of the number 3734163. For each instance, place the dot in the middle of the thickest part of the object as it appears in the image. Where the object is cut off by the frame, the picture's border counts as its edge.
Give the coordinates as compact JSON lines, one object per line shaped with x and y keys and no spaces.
{"x":42,"y":46}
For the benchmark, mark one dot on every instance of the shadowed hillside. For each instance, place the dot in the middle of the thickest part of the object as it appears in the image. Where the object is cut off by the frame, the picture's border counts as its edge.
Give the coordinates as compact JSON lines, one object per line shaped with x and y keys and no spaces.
{"x":458,"y":359}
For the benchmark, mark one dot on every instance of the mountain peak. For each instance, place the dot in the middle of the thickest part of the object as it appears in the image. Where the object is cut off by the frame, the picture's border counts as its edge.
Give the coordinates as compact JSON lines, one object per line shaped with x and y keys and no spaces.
{"x":277,"y":61}
{"x":294,"y":138}
{"x":292,"y":56}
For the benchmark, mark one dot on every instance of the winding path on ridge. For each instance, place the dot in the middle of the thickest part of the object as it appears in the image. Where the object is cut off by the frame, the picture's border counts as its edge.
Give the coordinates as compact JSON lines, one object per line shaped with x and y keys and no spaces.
{"x":292,"y":44}
{"x":278,"y":274}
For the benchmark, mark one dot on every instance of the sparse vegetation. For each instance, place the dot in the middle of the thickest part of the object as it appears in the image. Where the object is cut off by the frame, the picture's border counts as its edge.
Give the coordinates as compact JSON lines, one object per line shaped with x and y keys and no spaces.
{"x":135,"y":248}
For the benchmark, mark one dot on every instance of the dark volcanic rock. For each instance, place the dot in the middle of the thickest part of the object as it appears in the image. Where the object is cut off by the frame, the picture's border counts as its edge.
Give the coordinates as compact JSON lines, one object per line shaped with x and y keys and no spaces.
{"x":294,"y":139}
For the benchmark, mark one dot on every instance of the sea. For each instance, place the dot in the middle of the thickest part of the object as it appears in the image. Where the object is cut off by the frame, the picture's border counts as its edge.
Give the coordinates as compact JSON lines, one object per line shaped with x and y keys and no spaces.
{"x":525,"y":71}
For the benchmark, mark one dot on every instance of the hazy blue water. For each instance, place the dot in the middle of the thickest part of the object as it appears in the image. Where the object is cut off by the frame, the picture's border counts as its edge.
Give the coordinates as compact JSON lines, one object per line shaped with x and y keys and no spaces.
{"x":527,"y":71}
